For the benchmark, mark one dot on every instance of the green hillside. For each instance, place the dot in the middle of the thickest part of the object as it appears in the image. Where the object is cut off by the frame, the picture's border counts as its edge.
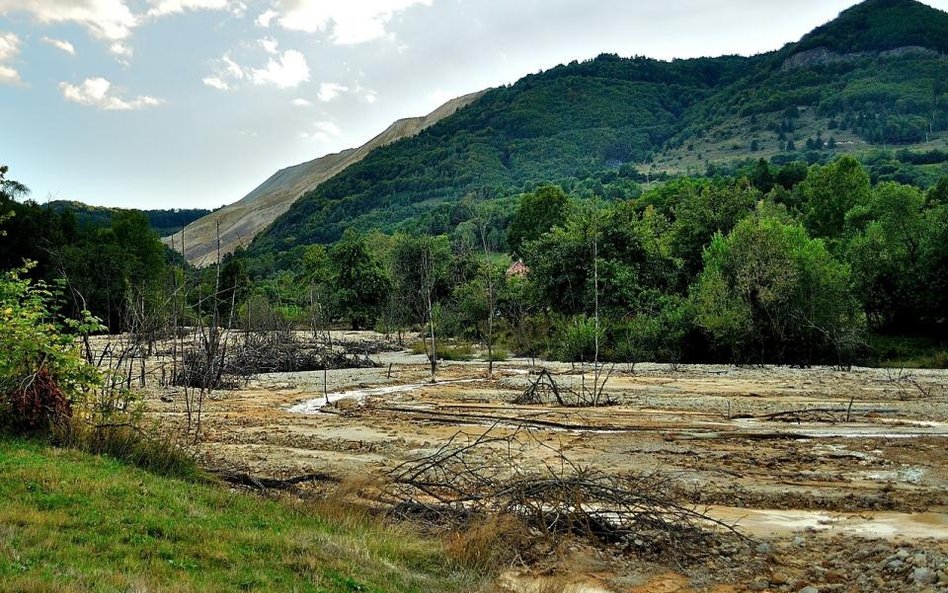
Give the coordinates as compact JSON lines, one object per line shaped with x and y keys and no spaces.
{"x":164,"y":222}
{"x":878,"y":25}
{"x":641,"y":116}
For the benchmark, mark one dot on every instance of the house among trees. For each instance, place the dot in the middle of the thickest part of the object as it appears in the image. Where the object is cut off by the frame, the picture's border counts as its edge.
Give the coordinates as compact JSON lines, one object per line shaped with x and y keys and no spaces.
{"x":518,"y":270}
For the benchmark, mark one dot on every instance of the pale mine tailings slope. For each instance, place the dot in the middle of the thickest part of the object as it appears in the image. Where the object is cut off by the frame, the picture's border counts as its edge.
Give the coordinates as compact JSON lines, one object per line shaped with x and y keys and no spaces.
{"x":241,"y":221}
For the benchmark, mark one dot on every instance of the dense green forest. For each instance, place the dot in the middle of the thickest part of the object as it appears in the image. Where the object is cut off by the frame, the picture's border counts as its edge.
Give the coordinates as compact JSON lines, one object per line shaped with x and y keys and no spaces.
{"x":164,"y":222}
{"x":762,"y":263}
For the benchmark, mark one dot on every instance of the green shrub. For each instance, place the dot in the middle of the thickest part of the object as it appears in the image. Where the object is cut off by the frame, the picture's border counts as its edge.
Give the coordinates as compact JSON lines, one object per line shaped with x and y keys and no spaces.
{"x":42,"y":373}
{"x":498,"y":354}
{"x":446,"y":350}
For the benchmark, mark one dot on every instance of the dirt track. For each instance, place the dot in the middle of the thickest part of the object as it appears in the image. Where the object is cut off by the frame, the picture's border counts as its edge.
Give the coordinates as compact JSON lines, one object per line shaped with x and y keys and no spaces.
{"x":820,"y":465}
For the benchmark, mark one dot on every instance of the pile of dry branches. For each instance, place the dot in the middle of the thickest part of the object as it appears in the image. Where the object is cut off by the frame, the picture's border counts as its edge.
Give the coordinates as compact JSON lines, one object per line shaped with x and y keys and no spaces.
{"x":469,"y":479}
{"x":255,"y":353}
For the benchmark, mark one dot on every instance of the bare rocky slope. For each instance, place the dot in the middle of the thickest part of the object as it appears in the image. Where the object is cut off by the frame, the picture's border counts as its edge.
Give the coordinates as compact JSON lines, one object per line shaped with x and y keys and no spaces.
{"x":241,"y":221}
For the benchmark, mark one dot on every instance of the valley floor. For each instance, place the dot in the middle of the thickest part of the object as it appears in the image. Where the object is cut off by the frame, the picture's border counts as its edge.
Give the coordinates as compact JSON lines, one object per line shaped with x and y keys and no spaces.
{"x":840,"y":478}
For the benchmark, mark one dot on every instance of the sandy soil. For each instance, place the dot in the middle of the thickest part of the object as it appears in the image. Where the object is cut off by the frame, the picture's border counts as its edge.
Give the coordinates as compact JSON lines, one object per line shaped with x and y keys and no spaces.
{"x":850,"y":498}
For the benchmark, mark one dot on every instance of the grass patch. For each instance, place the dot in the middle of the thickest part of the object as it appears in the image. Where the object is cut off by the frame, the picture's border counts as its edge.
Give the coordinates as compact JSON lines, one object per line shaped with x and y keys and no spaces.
{"x":74,"y":522}
{"x":499,"y":354}
{"x":909,"y":352}
{"x":446,"y":351}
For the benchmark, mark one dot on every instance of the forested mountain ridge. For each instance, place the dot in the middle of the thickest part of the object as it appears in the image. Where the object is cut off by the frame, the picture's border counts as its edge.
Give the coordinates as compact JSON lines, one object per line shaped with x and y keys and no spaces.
{"x":164,"y":222}
{"x":640,"y":117}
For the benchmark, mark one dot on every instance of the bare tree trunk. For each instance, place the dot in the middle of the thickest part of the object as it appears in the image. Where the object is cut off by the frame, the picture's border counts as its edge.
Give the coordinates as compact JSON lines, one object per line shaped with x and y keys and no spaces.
{"x":433,"y":357}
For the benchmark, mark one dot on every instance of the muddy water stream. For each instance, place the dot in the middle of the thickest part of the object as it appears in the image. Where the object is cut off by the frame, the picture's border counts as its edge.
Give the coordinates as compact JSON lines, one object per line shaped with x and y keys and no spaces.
{"x":315,"y":405}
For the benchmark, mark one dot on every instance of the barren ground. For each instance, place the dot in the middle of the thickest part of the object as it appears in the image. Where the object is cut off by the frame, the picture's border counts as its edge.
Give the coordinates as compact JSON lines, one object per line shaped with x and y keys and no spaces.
{"x":851,"y":494}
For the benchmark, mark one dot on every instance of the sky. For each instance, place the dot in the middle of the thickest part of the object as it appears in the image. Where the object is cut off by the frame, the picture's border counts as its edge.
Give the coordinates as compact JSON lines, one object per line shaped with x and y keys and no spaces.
{"x":192,"y":103}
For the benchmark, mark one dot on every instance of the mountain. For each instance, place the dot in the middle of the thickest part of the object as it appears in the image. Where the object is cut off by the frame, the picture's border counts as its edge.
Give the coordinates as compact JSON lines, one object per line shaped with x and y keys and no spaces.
{"x":164,"y":222}
{"x":241,"y":221}
{"x":880,"y":25}
{"x":873,"y":78}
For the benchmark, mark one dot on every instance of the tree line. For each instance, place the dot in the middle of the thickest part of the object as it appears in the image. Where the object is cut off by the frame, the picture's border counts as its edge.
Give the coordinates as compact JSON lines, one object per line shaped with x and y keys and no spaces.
{"x":789,"y":264}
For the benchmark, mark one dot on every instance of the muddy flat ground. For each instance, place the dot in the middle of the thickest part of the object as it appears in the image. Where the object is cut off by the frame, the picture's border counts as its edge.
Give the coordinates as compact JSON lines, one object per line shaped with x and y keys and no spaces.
{"x":841,"y":478}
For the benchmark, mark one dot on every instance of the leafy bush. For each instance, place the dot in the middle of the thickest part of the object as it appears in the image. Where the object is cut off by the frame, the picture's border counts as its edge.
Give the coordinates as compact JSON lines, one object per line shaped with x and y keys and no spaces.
{"x":42,"y":374}
{"x":446,"y":350}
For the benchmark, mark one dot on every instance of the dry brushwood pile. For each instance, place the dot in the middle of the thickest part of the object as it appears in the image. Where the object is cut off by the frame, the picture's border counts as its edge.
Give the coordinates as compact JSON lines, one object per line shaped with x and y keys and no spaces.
{"x":545,"y":391}
{"x":38,"y":403}
{"x":468,"y":480}
{"x":256,"y":353}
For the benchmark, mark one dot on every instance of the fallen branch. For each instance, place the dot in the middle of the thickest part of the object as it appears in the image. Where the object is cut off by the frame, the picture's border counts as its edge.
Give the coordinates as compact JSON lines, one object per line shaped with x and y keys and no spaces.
{"x":263,"y":484}
{"x":471,"y":478}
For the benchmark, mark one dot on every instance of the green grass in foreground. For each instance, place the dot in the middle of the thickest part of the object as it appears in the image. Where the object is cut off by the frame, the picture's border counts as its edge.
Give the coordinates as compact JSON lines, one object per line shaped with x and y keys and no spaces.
{"x":70,"y":521}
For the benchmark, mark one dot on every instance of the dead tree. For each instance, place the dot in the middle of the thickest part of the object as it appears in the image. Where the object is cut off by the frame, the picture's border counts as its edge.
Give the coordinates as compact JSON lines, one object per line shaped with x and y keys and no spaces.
{"x":426,"y":289}
{"x":546,"y":391}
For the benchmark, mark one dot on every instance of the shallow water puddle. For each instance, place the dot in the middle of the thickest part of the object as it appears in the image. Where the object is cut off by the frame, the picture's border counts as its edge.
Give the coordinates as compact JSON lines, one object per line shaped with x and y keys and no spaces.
{"x":881,"y":525}
{"x":849,"y":431}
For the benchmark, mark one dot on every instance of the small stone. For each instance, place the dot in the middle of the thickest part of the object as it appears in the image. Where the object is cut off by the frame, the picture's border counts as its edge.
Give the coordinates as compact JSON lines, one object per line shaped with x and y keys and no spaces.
{"x":834,"y":577}
{"x":778,"y":578}
{"x":923,"y":576}
{"x":799,"y":541}
{"x":759,"y":586}
{"x":764,"y":548}
{"x":809,"y":589}
{"x":895,"y":565}
{"x":903,"y":554}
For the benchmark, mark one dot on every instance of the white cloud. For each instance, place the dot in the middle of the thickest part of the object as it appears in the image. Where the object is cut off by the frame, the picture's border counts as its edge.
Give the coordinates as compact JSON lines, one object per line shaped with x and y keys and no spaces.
{"x":216,"y":82}
{"x":94,"y":92}
{"x":105,"y":19}
{"x":61,"y":44}
{"x":112,"y":21}
{"x":232,"y":69}
{"x":370,"y":97}
{"x":330,"y":90}
{"x":263,"y":20}
{"x":120,"y":50}
{"x":323,"y":131}
{"x":348,"y":23}
{"x":269,"y":45}
{"x":165,"y":7}
{"x":9,"y":49}
{"x":302,"y":102}
{"x":228,"y":72}
{"x":287,"y":71}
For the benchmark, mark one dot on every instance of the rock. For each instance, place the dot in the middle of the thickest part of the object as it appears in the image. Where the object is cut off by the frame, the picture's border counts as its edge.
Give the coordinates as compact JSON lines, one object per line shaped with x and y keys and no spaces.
{"x":834,"y":577}
{"x":759,"y":586}
{"x":799,"y":541}
{"x":809,"y":589}
{"x":942,"y":578}
{"x":894,"y":565}
{"x":902,"y":554}
{"x":778,"y":578}
{"x":764,"y":548}
{"x":923,"y":576}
